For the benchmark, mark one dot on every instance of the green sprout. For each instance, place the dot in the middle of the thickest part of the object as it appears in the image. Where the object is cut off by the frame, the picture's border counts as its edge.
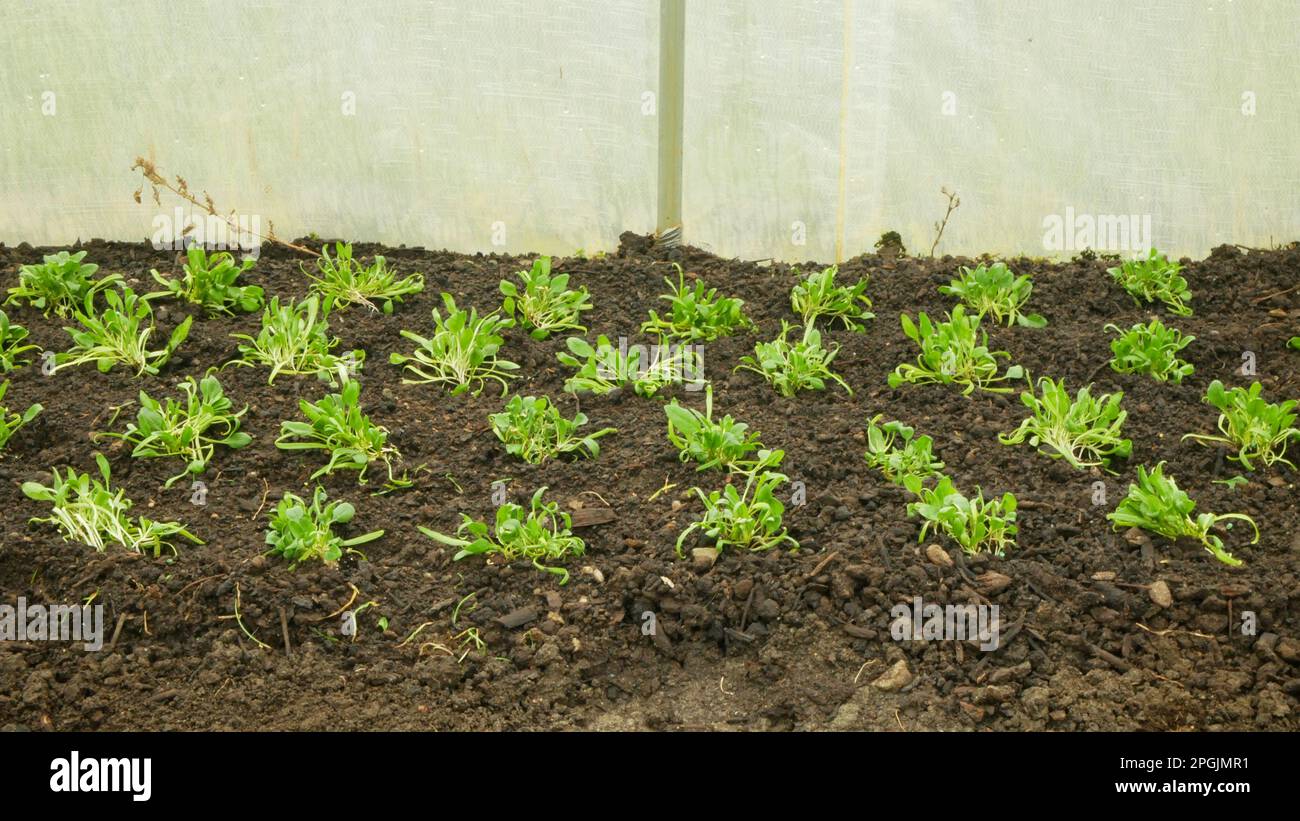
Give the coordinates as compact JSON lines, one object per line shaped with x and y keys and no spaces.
{"x":461,"y":353}
{"x":341,"y":281}
{"x":750,"y":518}
{"x":543,"y":533}
{"x":605,"y":368}
{"x":534,"y":430}
{"x":953,"y":352}
{"x":698,"y":314}
{"x":817,"y":295}
{"x":11,"y":422}
{"x":977,"y":524}
{"x":1154,"y":278}
{"x":713,"y":443}
{"x":1084,"y":431}
{"x":189,"y":429}
{"x":993,"y":290}
{"x":1156,"y":503}
{"x":1151,"y":349}
{"x":61,"y":284}
{"x":897,"y":452}
{"x":12,"y":337}
{"x":805,"y":365}
{"x":120,"y":334}
{"x":337,"y":426}
{"x":295,"y":339}
{"x":87,"y":511}
{"x":300,"y":532}
{"x":545,"y":304}
{"x":1257,"y":428}
{"x":209,"y":281}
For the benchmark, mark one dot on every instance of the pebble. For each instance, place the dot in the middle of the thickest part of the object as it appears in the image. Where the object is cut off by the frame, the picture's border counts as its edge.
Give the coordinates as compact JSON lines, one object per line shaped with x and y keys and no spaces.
{"x":937,"y":555}
{"x":895,"y":678}
{"x":1159,"y":592}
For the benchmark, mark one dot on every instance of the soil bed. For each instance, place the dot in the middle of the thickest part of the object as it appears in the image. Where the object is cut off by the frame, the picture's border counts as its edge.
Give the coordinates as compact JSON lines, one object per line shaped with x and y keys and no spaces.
{"x":774,"y":640}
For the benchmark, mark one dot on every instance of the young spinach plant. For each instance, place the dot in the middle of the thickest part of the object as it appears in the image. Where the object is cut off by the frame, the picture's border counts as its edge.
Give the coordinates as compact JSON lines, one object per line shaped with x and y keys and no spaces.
{"x":977,"y":524}
{"x":1154,"y":278}
{"x":119,"y":335}
{"x":1084,"y":431}
{"x":461,"y":353}
{"x":897,"y":452}
{"x":541,"y":534}
{"x":994,"y":291}
{"x":713,"y":443}
{"x":301,"y":532}
{"x":698,"y":314}
{"x":544,"y":303}
{"x":953,"y":352}
{"x":816,"y":296}
{"x":87,"y":511}
{"x":1156,"y":503}
{"x":1151,"y":349}
{"x":749,"y":518}
{"x":210,"y":281}
{"x":790,"y":368}
{"x":189,"y":429}
{"x":342,"y":281}
{"x":60,"y":284}
{"x":534,"y":430}
{"x":1257,"y":428}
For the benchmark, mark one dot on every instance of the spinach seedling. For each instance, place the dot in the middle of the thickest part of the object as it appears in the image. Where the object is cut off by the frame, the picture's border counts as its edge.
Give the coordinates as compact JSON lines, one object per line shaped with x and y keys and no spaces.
{"x":461,"y":353}
{"x":1084,"y":431}
{"x":749,"y":518}
{"x":953,"y":352}
{"x":790,"y":368}
{"x":1154,"y":278}
{"x":189,"y":429}
{"x":342,"y":281}
{"x":1257,"y":428}
{"x":1156,"y":503}
{"x":301,"y":532}
{"x":605,"y":368}
{"x":295,"y":339}
{"x":1151,"y":349}
{"x":11,"y":422}
{"x":897,"y":452}
{"x":698,"y":314}
{"x":534,"y":430}
{"x":12,"y":337}
{"x":977,"y":524}
{"x":817,"y":295}
{"x":337,"y":426}
{"x":210,"y":281}
{"x":993,"y":290}
{"x":542,"y":533}
{"x":87,"y":511}
{"x":544,"y":304}
{"x":713,"y":443}
{"x":119,"y":335}
{"x":60,"y":284}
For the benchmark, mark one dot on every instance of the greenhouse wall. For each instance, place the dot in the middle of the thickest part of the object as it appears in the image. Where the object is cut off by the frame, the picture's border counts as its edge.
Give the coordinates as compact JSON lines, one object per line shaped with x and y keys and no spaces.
{"x":811,"y":126}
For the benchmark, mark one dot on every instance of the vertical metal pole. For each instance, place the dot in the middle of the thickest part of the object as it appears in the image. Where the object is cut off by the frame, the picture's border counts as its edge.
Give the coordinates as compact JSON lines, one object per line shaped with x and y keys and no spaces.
{"x":672,"y":81}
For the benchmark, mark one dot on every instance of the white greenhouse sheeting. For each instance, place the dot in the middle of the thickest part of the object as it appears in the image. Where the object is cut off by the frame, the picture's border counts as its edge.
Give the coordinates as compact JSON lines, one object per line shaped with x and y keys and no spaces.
{"x":810,"y":126}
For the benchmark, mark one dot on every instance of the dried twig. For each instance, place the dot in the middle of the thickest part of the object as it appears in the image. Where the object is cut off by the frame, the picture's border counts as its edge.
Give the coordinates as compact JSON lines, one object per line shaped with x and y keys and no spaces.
{"x":953,"y":202}
{"x":149,"y":170}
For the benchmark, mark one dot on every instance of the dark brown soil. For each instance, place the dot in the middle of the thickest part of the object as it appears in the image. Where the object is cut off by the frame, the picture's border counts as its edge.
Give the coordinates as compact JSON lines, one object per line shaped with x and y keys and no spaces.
{"x":774,"y":640}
